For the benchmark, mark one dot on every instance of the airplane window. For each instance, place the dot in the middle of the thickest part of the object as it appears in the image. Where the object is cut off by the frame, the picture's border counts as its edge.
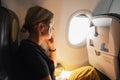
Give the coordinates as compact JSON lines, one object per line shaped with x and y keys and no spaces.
{"x":77,"y":29}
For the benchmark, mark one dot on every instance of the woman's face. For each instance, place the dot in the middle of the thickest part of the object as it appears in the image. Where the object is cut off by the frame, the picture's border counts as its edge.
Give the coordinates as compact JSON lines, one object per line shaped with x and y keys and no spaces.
{"x":48,"y":30}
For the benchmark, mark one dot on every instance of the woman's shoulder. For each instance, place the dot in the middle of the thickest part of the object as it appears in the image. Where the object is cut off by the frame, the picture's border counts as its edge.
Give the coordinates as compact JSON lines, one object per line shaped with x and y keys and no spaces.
{"x":27,"y":44}
{"x":30,"y":46}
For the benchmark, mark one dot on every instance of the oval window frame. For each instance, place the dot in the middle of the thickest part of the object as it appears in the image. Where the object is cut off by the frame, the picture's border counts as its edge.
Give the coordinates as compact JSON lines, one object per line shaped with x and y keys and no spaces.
{"x":83,"y":12}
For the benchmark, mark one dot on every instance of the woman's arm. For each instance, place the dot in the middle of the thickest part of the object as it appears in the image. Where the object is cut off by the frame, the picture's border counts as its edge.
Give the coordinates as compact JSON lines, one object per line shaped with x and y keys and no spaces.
{"x":47,"y":78}
{"x":52,"y":50}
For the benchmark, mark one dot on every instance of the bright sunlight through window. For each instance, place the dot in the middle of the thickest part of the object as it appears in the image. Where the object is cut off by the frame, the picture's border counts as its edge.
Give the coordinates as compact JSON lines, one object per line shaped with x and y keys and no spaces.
{"x":78,"y":28}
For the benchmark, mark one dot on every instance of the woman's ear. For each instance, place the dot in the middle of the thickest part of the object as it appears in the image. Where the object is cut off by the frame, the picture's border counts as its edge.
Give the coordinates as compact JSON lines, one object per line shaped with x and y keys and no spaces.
{"x":41,"y":27}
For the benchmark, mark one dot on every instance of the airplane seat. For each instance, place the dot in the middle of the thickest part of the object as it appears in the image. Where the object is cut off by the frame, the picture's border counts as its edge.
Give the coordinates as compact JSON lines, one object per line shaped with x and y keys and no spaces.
{"x":9,"y":29}
{"x":103,"y":44}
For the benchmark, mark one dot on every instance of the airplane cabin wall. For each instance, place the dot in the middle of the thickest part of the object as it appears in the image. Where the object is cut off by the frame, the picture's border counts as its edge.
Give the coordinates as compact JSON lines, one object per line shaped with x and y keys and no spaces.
{"x":70,"y":57}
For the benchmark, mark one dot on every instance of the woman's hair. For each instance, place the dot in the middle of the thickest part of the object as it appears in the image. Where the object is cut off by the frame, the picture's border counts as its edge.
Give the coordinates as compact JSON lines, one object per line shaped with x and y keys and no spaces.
{"x":36,"y":15}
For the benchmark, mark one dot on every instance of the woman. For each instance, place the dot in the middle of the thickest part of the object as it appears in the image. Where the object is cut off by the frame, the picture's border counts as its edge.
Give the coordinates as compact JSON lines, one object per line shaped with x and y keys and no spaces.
{"x":31,"y":60}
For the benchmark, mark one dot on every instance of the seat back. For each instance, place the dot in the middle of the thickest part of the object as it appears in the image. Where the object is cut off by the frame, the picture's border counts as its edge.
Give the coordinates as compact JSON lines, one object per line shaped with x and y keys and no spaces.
{"x":9,"y":29}
{"x":103,"y":44}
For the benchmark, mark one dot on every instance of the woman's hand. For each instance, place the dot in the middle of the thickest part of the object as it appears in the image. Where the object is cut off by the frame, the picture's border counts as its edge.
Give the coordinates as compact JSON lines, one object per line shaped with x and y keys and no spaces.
{"x":50,"y":43}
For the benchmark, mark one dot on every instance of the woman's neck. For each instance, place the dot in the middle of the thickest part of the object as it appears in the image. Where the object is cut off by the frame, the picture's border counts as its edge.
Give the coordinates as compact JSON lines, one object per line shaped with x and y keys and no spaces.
{"x":36,"y":39}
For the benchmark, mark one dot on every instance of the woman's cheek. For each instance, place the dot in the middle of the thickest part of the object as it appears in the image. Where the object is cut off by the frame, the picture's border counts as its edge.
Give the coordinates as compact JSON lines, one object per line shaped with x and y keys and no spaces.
{"x":46,"y":35}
